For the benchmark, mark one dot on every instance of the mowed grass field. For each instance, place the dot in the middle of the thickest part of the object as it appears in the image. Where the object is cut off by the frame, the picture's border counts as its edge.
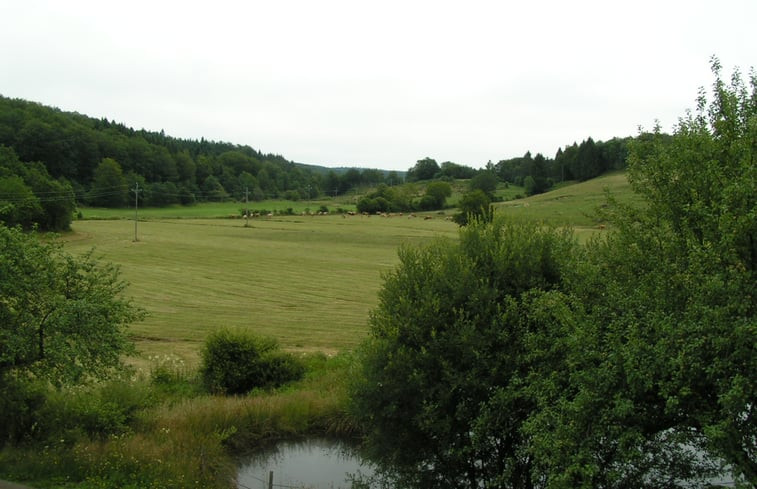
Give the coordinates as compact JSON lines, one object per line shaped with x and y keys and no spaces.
{"x":308,"y":281}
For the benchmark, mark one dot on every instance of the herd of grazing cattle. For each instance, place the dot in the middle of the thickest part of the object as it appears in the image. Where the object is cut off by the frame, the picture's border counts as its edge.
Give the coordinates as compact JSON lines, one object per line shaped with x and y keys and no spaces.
{"x":255,"y":215}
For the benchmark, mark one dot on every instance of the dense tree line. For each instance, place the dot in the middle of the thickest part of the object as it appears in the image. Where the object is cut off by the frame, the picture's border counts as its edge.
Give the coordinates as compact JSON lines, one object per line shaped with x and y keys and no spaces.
{"x":537,"y":174}
{"x":51,"y":155}
{"x":30,"y":197}
{"x":517,"y":358}
{"x":103,"y":160}
{"x":428,"y":169}
{"x":575,"y":162}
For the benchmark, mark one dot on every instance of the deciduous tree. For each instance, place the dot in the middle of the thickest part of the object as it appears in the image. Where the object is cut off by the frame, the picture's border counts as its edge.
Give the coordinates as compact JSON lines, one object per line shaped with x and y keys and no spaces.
{"x":436,"y":195}
{"x":443,"y":392}
{"x":474,"y":205}
{"x":109,"y":186}
{"x":62,"y":318}
{"x":663,"y":387}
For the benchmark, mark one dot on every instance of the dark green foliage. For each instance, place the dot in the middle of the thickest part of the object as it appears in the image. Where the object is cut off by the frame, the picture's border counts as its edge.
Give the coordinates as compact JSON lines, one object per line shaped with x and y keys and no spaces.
{"x":56,"y":197}
{"x":455,"y":171}
{"x":370,"y":205}
{"x":109,"y":185}
{"x":71,"y":146}
{"x":486,"y":181}
{"x":213,"y":191}
{"x":474,"y":205}
{"x":385,"y":199}
{"x":575,"y":162}
{"x":29,"y":197}
{"x":443,"y":393}
{"x":235,"y":362}
{"x":515,"y":359}
{"x":436,"y":195}
{"x":425,"y":169}
{"x":19,"y":403}
{"x":670,"y":349}
{"x":19,"y":206}
{"x":62,"y":322}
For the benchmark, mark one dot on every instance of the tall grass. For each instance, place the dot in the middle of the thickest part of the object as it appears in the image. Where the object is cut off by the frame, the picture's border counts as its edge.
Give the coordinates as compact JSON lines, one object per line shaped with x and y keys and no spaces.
{"x":189,"y":441}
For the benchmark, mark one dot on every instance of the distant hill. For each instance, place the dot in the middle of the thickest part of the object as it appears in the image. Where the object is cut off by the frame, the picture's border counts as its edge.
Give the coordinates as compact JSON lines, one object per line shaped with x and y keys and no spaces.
{"x":51,"y":161}
{"x":169,"y":170}
{"x":341,"y":170}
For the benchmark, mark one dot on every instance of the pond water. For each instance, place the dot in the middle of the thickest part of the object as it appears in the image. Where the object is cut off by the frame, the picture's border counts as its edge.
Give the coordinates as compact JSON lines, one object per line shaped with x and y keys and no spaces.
{"x":320,"y":463}
{"x":313,"y":463}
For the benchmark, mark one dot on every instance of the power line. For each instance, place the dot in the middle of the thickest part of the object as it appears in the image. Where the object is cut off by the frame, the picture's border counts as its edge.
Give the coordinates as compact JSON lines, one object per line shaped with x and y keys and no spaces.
{"x":136,"y":206}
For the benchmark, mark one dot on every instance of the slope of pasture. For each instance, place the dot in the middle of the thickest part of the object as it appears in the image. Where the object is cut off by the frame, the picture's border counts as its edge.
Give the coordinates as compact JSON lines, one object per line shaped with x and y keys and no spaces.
{"x":308,"y":281}
{"x":572,"y":205}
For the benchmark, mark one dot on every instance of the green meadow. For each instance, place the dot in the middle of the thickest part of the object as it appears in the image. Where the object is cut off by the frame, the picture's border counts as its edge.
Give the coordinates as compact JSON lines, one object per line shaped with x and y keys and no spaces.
{"x":308,"y":281}
{"x":572,"y":204}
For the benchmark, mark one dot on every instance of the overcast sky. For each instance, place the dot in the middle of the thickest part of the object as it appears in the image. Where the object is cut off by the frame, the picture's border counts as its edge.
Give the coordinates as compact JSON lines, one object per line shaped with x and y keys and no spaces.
{"x":376,"y":84}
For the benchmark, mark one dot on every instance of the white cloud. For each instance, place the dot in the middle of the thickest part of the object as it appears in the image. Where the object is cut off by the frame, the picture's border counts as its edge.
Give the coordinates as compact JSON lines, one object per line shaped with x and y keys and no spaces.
{"x":378,"y":84}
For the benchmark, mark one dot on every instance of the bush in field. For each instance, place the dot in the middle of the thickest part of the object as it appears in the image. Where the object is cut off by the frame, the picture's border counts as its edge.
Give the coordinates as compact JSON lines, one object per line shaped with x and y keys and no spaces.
{"x":235,"y":362}
{"x":474,"y":205}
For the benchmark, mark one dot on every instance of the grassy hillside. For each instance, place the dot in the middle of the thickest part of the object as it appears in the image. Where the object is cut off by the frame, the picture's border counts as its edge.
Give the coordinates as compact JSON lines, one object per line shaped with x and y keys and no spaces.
{"x":573,"y":204}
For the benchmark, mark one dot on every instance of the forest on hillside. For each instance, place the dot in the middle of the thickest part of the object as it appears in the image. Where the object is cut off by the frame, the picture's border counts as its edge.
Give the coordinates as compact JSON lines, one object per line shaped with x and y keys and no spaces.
{"x":52,"y":160}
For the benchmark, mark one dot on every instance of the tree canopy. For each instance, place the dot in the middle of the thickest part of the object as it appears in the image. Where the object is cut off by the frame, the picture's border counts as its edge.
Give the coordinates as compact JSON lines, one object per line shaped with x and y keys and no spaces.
{"x":69,"y":149}
{"x":63,"y":318}
{"x":30,"y":197}
{"x":516,"y":358}
{"x":443,"y":393}
{"x":425,"y":169}
{"x":474,"y":205}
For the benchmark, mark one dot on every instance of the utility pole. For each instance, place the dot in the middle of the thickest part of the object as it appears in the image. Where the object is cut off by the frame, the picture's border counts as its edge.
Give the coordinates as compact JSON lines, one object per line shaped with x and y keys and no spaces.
{"x":246,"y":208}
{"x":136,"y":206}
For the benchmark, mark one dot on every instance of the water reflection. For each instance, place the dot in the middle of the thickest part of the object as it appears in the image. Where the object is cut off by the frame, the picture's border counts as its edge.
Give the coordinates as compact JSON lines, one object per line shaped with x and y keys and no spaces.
{"x":313,"y":463}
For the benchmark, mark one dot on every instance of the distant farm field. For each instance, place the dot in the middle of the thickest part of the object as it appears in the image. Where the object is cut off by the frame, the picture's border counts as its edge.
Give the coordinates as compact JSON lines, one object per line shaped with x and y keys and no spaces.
{"x":309,"y":281}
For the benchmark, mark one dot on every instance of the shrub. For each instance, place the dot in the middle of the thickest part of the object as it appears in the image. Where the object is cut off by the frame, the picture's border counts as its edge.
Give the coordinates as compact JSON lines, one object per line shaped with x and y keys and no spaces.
{"x":19,"y":402}
{"x":96,"y":411}
{"x":281,"y":367}
{"x":235,"y":362}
